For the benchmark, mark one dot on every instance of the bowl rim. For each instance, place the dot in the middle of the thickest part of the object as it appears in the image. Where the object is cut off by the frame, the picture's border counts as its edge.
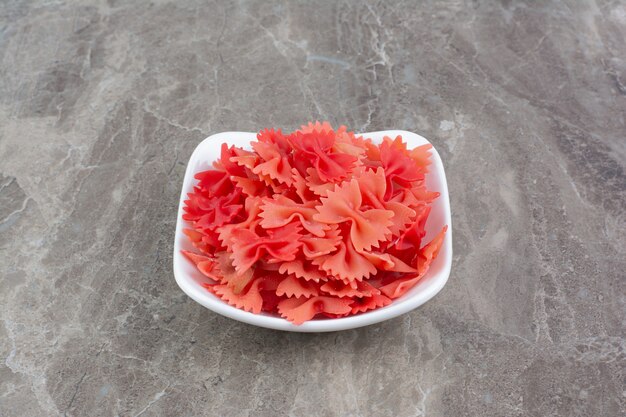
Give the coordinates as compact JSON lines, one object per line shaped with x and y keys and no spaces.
{"x":402,"y":305}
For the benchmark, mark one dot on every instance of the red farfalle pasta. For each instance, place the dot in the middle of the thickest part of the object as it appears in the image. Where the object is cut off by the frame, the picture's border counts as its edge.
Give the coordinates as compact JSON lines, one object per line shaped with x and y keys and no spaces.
{"x":315,"y":148}
{"x":293,"y":286}
{"x":315,"y":223}
{"x":298,"y":310}
{"x":368,"y":226}
{"x":280,"y":211}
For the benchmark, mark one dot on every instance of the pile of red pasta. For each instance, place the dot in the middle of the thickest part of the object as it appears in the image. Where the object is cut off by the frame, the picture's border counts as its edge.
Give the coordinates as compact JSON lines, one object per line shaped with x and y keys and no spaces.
{"x":318,"y":222}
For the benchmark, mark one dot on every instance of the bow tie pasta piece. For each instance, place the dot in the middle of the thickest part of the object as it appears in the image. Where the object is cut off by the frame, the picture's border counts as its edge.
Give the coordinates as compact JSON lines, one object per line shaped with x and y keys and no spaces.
{"x":203,"y":241}
{"x":279,"y":244}
{"x":251,"y":187}
{"x":313,"y":247}
{"x":299,"y":310}
{"x":426,"y":255}
{"x":208,"y":213}
{"x":250,"y":300}
{"x":204,"y":264}
{"x":341,"y":289}
{"x":373,"y":186}
{"x":229,"y":275}
{"x":303,"y":269}
{"x":317,"y":185}
{"x":400,"y":169}
{"x":292,"y":286}
{"x":213,"y":183}
{"x":252,"y":208}
{"x":346,"y":263}
{"x":281,"y":211}
{"x":310,"y":127}
{"x":346,"y":142}
{"x":315,"y":148}
{"x":275,"y":165}
{"x":362,"y":304}
{"x":301,"y":188}
{"x":344,"y":205}
{"x":228,"y":163}
{"x":275,"y":137}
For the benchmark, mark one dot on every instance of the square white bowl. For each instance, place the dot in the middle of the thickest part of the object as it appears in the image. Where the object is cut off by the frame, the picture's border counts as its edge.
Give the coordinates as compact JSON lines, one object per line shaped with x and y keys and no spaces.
{"x":189,"y":279}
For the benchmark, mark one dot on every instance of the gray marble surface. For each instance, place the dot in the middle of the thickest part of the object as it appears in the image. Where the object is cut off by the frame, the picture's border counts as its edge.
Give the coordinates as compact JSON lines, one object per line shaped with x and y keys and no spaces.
{"x":101,"y":104}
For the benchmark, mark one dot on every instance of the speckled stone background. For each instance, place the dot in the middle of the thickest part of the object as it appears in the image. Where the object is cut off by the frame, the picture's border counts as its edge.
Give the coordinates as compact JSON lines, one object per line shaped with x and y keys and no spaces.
{"x":101,"y":104}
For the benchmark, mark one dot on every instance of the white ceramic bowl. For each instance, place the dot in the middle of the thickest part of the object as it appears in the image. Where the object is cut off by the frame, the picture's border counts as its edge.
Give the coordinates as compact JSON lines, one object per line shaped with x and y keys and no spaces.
{"x":189,"y":278}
